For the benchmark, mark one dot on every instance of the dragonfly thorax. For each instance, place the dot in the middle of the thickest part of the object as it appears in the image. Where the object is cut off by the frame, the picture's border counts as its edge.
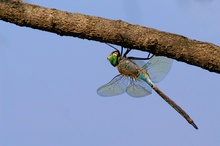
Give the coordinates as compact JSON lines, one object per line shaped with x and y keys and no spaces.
{"x":128,"y":68}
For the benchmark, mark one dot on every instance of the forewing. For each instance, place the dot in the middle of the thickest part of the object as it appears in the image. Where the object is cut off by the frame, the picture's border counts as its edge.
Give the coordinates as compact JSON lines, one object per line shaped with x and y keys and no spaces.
{"x":115,"y":87}
{"x":158,"y":67}
{"x":140,"y":63}
{"x":138,"y":88}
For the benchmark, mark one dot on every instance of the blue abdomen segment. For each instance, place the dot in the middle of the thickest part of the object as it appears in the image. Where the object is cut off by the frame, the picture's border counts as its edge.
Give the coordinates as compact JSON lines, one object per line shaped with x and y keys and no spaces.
{"x":145,"y":77}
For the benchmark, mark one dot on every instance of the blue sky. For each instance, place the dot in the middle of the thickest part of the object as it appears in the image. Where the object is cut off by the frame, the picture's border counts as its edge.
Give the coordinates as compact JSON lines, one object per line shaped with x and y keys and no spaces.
{"x":48,"y":83}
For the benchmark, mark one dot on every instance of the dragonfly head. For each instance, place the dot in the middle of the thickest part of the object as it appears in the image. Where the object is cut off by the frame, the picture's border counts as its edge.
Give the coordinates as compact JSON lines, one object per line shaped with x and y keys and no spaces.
{"x":114,"y":58}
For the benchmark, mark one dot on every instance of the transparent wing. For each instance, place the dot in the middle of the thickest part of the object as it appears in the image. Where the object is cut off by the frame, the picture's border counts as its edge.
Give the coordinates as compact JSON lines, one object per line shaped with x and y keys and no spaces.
{"x":158,"y":67}
{"x":140,"y":63}
{"x":116,"y":86}
{"x":138,"y":88}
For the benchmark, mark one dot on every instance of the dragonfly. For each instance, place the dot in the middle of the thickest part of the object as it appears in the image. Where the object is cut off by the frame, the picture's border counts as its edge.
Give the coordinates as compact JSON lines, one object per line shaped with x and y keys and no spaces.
{"x":137,"y":78}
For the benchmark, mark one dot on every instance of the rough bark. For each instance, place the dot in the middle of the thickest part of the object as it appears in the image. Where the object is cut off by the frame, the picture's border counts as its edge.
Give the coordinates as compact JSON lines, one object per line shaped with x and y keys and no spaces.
{"x":202,"y":54}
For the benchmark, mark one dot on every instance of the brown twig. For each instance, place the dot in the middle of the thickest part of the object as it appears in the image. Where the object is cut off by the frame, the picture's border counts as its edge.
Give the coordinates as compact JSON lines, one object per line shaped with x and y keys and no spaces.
{"x":202,"y":54}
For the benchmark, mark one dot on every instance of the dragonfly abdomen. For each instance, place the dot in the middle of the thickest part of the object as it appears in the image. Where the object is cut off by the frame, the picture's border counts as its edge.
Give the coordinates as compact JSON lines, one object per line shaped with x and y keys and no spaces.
{"x":145,"y":77}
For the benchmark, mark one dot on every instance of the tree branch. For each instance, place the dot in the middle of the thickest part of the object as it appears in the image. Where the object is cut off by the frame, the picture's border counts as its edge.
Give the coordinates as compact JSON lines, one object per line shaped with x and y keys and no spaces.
{"x":202,"y":54}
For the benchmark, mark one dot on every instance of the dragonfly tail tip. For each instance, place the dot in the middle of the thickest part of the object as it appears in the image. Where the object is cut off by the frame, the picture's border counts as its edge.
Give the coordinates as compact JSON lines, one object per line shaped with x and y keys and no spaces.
{"x":194,"y":125}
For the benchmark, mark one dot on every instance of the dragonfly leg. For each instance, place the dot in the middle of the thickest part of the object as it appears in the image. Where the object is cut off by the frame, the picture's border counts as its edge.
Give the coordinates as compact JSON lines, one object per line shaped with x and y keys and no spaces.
{"x":138,"y":58}
{"x":117,"y":49}
{"x":149,"y":56}
{"x":112,"y":47}
{"x":126,"y":53}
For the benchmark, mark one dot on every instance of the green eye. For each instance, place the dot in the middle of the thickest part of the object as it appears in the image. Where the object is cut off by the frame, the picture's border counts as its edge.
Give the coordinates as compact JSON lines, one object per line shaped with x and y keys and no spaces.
{"x":113,"y":58}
